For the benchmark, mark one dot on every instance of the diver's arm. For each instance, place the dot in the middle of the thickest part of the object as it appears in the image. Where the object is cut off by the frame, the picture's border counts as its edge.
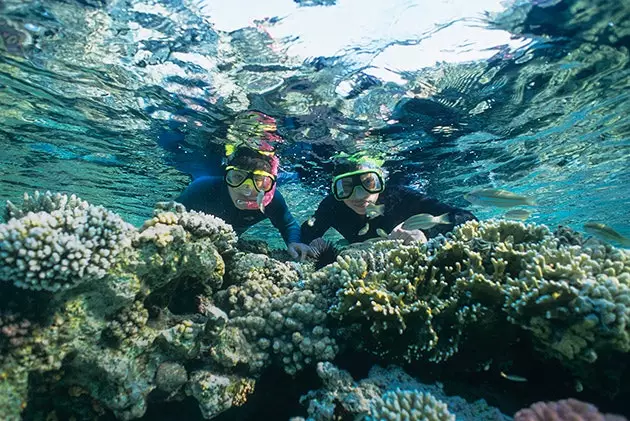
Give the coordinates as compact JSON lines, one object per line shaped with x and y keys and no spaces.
{"x":281,"y":218}
{"x":321,"y":221}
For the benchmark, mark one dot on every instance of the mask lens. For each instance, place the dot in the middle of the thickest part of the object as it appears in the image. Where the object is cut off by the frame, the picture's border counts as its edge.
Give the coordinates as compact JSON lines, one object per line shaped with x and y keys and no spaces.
{"x":263,"y":183}
{"x":371,"y":182}
{"x":235,"y":177}
{"x":343,"y":188}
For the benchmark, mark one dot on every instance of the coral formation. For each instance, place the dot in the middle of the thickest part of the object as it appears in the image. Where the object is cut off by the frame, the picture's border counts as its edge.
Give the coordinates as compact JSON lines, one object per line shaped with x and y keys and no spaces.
{"x":278,"y":320}
{"x":407,"y":405}
{"x":216,"y":393}
{"x":55,"y":242}
{"x":388,"y":394}
{"x":573,"y":299}
{"x":176,"y":244}
{"x":564,"y":410}
{"x":176,"y":308}
{"x":127,"y":325}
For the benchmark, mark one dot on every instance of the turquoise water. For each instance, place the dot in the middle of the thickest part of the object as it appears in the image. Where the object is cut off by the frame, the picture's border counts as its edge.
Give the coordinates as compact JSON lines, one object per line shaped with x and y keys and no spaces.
{"x":90,"y":90}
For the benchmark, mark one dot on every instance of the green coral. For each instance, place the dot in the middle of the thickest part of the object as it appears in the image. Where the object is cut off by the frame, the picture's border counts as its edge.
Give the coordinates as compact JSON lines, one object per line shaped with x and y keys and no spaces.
{"x":176,"y":245}
{"x":573,"y":298}
{"x":128,"y":325}
{"x":280,"y":321}
{"x":217,"y":393}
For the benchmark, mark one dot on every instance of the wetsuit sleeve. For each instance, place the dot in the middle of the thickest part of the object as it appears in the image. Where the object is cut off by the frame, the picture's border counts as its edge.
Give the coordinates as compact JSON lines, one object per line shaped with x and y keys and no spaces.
{"x":323,"y":220}
{"x":200,"y":194}
{"x":281,"y":218}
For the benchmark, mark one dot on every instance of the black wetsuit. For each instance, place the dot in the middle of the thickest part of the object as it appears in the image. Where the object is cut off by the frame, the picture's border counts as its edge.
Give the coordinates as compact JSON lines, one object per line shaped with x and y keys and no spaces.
{"x":400,"y":203}
{"x":210,"y":195}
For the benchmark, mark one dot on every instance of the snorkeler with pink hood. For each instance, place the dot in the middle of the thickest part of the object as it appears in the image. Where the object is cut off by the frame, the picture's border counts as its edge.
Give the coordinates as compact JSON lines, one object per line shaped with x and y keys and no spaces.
{"x":247,"y":193}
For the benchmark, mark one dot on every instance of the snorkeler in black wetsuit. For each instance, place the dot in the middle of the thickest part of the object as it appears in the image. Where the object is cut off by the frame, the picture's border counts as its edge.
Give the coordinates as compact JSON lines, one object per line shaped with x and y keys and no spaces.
{"x":247,"y":194}
{"x":357,"y":188}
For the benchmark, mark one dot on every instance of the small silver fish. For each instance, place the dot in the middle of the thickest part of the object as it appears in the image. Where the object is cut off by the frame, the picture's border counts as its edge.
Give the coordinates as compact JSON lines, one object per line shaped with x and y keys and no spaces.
{"x":520,"y":214}
{"x":372,"y":210}
{"x":259,"y":201}
{"x":311,"y":221}
{"x":607,"y":233}
{"x":498,"y":198}
{"x":365,"y":229}
{"x":381,"y":233}
{"x":513,"y":377}
{"x":424,"y":221}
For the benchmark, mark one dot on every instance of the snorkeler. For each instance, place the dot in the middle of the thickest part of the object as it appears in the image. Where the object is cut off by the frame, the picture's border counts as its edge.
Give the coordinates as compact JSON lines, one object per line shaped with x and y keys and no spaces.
{"x":246,"y":195}
{"x":360,"y":208}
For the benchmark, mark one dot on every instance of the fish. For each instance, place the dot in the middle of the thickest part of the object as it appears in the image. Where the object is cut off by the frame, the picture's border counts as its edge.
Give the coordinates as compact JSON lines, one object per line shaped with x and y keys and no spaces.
{"x":520,"y":214}
{"x":424,"y":221}
{"x":259,"y":201}
{"x":381,"y":233}
{"x":311,"y":221}
{"x":498,"y":198}
{"x":605,"y":232}
{"x":513,"y":377}
{"x":365,"y":229}
{"x":372,"y":210}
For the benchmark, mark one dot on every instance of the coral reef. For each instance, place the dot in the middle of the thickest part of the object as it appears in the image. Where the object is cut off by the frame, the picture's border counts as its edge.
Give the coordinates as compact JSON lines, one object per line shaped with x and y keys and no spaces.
{"x":54,"y":242}
{"x":388,"y":394}
{"x":572,"y":299}
{"x":115,"y":314}
{"x":279,"y":321}
{"x":564,"y":410}
{"x":407,"y":405}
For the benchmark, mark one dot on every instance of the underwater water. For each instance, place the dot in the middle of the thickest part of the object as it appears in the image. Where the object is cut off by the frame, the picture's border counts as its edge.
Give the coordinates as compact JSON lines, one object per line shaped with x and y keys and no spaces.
{"x":124,"y":102}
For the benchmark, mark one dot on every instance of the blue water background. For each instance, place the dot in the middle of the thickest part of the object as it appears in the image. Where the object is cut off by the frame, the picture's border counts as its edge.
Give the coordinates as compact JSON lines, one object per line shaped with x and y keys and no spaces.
{"x":124,"y":102}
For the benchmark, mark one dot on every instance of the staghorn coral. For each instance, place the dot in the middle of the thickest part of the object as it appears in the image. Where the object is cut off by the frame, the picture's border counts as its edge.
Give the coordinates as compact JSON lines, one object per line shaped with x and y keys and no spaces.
{"x":72,"y":243}
{"x":388,"y":394}
{"x":279,"y":320}
{"x":564,"y":410}
{"x":407,"y":405}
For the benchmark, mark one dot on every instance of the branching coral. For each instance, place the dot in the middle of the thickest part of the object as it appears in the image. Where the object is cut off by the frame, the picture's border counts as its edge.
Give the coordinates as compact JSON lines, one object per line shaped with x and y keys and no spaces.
{"x":408,"y":405}
{"x":279,"y":320}
{"x":388,"y":394}
{"x":574,"y":299}
{"x":72,"y":243}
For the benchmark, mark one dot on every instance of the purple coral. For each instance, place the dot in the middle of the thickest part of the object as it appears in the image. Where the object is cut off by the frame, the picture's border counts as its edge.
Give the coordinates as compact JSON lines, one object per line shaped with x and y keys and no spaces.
{"x":564,"y":410}
{"x":13,"y":331}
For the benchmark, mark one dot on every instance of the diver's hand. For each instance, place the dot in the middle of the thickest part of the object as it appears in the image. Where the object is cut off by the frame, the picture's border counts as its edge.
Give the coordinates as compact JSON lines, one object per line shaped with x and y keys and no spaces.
{"x":299,"y":249}
{"x":408,"y":236}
